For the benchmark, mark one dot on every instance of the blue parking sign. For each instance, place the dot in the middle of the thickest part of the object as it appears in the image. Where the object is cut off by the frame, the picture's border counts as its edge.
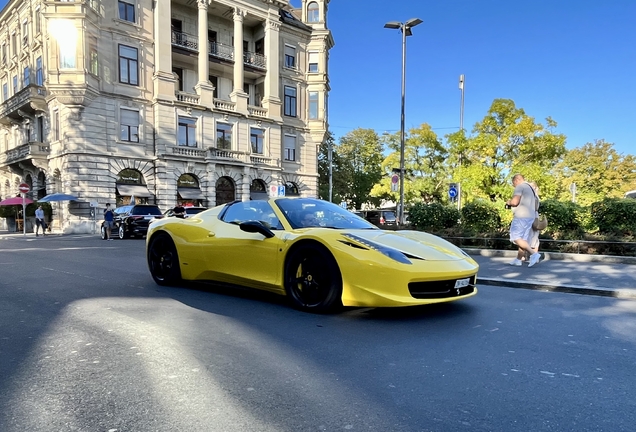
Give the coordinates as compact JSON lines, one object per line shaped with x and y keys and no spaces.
{"x":281,"y":190}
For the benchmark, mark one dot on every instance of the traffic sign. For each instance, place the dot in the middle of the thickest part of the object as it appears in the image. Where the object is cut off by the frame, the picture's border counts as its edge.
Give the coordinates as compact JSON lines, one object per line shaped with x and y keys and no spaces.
{"x":24,"y":188}
{"x":452,"y":191}
{"x":281,"y":190}
{"x":395,"y":179}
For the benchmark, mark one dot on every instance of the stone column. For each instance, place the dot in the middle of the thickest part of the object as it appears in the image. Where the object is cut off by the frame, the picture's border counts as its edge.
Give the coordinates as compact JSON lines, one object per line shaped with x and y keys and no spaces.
{"x":163,"y":78}
{"x":238,"y":96}
{"x":271,"y":99}
{"x":203,"y":87}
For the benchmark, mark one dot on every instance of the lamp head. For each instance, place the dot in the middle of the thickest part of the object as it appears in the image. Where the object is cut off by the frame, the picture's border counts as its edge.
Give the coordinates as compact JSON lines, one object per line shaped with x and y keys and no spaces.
{"x":393,"y":25}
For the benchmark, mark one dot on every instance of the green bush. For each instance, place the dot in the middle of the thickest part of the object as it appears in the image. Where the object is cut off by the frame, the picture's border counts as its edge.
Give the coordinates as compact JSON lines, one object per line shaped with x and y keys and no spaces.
{"x":615,"y":216}
{"x":565,"y":218}
{"x":480,"y":217}
{"x":433,"y":217}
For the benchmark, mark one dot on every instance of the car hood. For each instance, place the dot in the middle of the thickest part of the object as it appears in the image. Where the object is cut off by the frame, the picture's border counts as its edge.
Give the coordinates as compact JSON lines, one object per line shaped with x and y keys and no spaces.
{"x":416,"y":243}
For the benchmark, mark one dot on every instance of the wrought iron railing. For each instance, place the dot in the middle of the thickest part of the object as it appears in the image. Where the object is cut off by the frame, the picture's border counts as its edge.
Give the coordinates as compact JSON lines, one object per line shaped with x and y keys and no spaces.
{"x":222,"y":51}
{"x":185,"y":40}
{"x":255,"y":60}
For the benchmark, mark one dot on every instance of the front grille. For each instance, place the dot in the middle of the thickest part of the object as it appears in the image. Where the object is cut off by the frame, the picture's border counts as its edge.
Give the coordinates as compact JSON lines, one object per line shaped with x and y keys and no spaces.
{"x":440,"y":289}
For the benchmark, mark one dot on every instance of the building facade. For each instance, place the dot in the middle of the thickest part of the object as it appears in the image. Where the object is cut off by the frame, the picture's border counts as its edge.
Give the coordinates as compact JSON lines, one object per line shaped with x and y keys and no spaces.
{"x":161,"y":101}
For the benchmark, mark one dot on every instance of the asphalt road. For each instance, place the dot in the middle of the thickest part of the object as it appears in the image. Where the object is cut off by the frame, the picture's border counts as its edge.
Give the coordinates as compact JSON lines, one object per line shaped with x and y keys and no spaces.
{"x":88,"y":342}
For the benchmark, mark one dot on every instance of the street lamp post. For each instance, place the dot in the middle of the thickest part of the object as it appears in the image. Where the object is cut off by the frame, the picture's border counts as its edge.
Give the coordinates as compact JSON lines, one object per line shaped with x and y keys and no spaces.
{"x":405,"y":28}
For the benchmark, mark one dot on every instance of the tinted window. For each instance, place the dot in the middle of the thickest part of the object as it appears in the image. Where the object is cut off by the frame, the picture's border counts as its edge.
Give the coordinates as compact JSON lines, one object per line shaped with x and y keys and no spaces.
{"x":245,"y":211}
{"x":389,"y":215}
{"x":146,"y":210}
{"x":193,"y":211}
{"x":325,"y":214}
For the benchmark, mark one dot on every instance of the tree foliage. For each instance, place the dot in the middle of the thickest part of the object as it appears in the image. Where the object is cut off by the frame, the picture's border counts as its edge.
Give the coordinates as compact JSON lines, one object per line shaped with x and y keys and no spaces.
{"x":598,"y":171}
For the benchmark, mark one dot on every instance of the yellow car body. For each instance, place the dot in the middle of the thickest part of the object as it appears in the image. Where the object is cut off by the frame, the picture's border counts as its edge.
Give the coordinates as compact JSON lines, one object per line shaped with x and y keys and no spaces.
{"x":359,"y":263}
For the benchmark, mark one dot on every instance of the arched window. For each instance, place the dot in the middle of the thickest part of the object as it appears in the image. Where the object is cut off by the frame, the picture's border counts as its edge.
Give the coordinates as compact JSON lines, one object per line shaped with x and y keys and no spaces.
{"x":131,"y":188}
{"x":41,"y":185}
{"x":313,"y":12}
{"x":291,"y":189}
{"x":225,"y":191}
{"x":188,"y":191}
{"x":258,"y":190}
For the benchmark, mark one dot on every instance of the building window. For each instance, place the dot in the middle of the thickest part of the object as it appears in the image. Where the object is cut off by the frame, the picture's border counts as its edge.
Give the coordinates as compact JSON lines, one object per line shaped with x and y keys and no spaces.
{"x":313,"y":12}
{"x":14,"y":45}
{"x":56,"y":125}
{"x":246,"y":90}
{"x":40,"y":128}
{"x":313,"y":105}
{"x":93,"y":65}
{"x":290,"y":101}
{"x":27,"y":76}
{"x":179,"y":73}
{"x":38,"y":21}
{"x":290,"y":148}
{"x":215,"y":82}
{"x":256,"y":139}
{"x":25,"y":33}
{"x":187,"y":131}
{"x":128,"y":66}
{"x":126,"y":11}
{"x":223,"y":136}
{"x":290,"y":57}
{"x":129,"y":120}
{"x":4,"y":53}
{"x":39,"y":75}
{"x":312,"y":62}
{"x":15,"y":84}
{"x":5,"y":92}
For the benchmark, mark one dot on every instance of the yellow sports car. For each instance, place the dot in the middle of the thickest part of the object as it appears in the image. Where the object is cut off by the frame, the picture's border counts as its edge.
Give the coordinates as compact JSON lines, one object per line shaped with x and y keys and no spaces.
{"x":318,"y":254}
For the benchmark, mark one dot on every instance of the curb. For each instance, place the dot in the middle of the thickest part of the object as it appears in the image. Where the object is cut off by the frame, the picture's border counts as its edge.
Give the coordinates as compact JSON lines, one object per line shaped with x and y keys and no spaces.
{"x":555,"y":256}
{"x":622,"y":293}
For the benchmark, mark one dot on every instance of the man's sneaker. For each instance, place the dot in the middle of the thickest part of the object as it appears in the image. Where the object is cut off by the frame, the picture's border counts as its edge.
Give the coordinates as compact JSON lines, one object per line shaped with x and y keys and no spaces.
{"x":534,"y":258}
{"x":516,"y":262}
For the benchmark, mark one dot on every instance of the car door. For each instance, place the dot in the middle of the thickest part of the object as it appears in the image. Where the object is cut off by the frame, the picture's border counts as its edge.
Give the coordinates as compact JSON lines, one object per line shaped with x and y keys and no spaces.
{"x":246,"y":257}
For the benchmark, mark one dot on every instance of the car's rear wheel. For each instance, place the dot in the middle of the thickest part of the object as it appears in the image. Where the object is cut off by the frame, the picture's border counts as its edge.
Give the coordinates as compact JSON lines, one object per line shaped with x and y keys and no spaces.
{"x":103,"y":232}
{"x":163,"y":260}
{"x":122,"y":232}
{"x":312,"y":279}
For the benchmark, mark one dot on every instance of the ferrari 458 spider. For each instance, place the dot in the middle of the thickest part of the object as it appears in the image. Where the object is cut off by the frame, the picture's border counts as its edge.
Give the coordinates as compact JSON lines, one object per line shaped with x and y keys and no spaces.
{"x":318,"y":254}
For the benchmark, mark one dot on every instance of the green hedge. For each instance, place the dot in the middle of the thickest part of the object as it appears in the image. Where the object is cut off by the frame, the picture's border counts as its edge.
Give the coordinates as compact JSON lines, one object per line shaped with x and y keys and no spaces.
{"x":433,"y":217}
{"x":615,"y":216}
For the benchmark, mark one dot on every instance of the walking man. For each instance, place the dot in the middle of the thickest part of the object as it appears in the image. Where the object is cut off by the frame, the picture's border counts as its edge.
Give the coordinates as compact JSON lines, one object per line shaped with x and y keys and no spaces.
{"x":525,"y":205}
{"x":39,"y":221}
{"x":109,"y":217}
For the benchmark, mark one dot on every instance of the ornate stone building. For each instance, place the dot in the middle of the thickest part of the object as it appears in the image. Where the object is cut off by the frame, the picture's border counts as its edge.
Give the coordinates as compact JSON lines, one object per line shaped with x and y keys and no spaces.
{"x":166,"y":101}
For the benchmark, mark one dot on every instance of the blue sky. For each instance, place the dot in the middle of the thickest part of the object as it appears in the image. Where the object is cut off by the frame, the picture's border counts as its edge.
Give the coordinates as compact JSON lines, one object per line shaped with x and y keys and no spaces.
{"x":572,"y":60}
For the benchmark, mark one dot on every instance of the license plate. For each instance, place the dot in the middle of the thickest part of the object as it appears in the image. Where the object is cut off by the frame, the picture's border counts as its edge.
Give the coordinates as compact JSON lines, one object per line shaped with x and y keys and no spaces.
{"x":461,"y":283}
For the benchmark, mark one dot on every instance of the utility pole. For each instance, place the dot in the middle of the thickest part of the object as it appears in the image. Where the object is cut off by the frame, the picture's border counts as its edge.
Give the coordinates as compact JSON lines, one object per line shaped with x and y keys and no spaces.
{"x":461,"y":128}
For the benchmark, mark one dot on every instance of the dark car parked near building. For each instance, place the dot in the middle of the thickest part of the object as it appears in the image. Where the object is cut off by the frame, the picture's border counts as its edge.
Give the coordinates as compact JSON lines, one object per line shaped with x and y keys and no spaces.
{"x":133,"y":220}
{"x":381,"y":218}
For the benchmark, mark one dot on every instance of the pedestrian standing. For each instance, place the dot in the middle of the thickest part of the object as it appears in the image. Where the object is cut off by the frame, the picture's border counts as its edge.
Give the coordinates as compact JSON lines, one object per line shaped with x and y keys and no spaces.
{"x":109,"y":217}
{"x":39,"y":221}
{"x":525,"y":205}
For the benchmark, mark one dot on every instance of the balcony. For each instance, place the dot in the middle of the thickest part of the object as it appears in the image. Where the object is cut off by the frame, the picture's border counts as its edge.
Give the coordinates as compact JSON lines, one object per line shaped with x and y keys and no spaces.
{"x":255,"y":111}
{"x":218,"y":50}
{"x":27,"y":101}
{"x":187,"y":97}
{"x":188,"y":152}
{"x":30,"y":150}
{"x":242,"y":158}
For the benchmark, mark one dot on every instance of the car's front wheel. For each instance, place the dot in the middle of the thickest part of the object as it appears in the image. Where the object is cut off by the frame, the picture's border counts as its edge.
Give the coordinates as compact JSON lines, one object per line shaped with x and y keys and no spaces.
{"x":312,"y":279}
{"x":103,"y":232}
{"x":122,"y":232}
{"x":163,"y":260}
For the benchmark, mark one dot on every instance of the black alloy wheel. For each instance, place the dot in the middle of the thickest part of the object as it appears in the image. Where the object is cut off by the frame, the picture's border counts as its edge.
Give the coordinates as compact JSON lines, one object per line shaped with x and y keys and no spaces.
{"x":312,"y":279}
{"x":163,"y":260}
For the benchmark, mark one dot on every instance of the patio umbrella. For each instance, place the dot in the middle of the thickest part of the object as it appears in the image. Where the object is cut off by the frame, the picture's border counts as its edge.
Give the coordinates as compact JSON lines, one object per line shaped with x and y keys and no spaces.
{"x":58,"y":197}
{"x":15,"y":201}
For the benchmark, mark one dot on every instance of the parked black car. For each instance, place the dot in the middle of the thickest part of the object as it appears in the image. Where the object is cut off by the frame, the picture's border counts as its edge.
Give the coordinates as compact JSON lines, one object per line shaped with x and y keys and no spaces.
{"x":189,"y":211}
{"x":381,"y":218}
{"x":132,"y":220}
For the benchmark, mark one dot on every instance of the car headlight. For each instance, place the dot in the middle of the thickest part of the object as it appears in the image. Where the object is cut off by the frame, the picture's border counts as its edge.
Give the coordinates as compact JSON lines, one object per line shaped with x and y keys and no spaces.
{"x":394,"y":254}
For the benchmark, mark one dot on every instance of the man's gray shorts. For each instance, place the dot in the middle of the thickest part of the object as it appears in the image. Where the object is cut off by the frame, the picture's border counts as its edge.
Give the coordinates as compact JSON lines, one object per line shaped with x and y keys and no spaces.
{"x":109,"y":224}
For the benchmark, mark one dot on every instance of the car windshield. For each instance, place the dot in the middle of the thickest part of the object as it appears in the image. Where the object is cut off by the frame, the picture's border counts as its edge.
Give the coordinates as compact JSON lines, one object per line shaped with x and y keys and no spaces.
{"x":145,"y":210}
{"x":309,"y":212}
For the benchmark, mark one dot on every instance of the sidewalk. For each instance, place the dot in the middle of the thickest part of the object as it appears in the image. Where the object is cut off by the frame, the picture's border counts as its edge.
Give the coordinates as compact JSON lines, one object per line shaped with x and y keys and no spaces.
{"x":602,"y":275}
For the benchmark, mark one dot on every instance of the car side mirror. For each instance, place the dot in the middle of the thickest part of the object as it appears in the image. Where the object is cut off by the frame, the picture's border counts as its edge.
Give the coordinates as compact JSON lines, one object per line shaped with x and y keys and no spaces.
{"x":256,"y":227}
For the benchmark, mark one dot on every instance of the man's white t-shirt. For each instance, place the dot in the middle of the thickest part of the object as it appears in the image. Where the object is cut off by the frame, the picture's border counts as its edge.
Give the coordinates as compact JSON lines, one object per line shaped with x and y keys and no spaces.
{"x":528,"y":203}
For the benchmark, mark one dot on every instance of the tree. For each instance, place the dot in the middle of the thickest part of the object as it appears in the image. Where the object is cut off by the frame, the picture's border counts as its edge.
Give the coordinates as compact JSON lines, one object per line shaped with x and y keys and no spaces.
{"x":340,"y":176}
{"x":361,"y":156}
{"x":598,"y":171}
{"x":424,"y":175}
{"x":506,"y":141}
